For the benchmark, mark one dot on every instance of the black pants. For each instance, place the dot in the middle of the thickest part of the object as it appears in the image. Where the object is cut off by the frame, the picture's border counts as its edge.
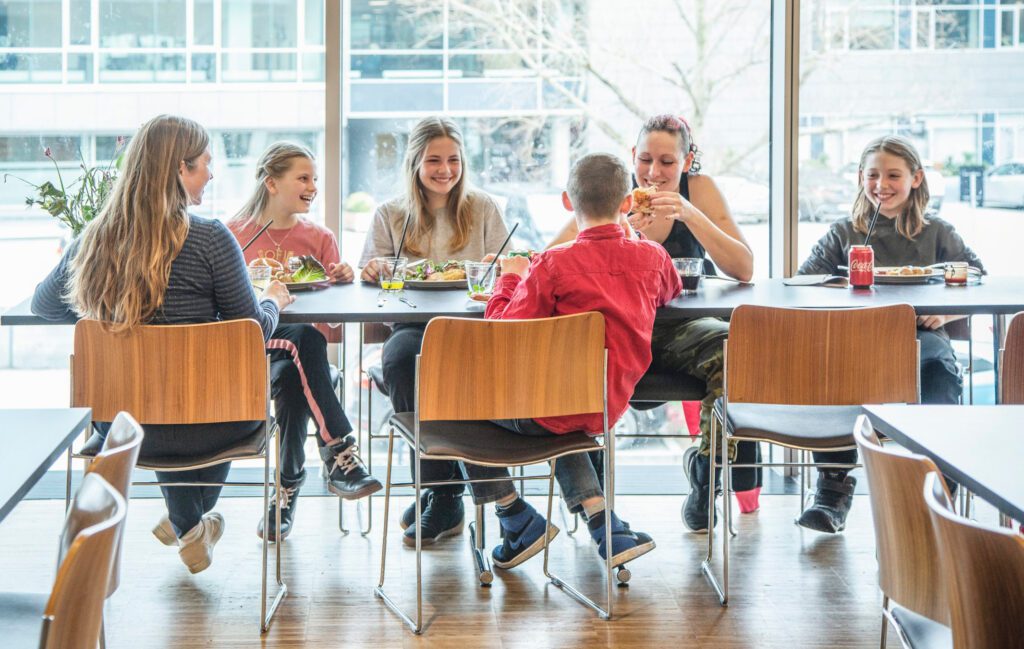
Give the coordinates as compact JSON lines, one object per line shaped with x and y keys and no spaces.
{"x":398,"y":362}
{"x":300,"y":384}
{"x":940,"y":382}
{"x":186,"y":505}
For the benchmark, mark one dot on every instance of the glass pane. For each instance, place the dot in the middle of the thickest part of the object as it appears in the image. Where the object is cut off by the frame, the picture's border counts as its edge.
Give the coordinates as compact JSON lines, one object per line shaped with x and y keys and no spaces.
{"x":313,"y":67}
{"x":142,"y":68}
{"x":507,"y":24}
{"x":142,"y":23}
{"x":81,"y":22}
{"x":259,"y":23}
{"x":202,"y":22}
{"x":204,"y":68}
{"x":31,"y":24}
{"x":80,"y":68}
{"x":315,"y":22}
{"x":258,"y":67}
{"x":872,"y":30}
{"x":924,"y":29}
{"x":397,"y":66}
{"x":487,"y":65}
{"x":956,"y":28}
{"x":30,"y":68}
{"x":393,"y":24}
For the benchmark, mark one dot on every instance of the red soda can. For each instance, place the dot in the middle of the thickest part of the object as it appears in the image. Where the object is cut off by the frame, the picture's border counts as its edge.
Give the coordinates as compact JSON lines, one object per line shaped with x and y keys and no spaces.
{"x":862,"y":266}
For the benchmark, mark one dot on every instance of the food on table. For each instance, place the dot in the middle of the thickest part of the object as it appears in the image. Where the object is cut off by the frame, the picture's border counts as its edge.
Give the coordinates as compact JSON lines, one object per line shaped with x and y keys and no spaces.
{"x":642,"y":199}
{"x":903,"y":271}
{"x":308,"y":270}
{"x":436,"y":271}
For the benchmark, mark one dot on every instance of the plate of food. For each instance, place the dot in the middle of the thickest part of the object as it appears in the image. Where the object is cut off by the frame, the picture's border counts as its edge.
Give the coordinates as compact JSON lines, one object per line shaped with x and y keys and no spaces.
{"x":428,"y":274}
{"x":304,"y":273}
{"x":906,"y":274}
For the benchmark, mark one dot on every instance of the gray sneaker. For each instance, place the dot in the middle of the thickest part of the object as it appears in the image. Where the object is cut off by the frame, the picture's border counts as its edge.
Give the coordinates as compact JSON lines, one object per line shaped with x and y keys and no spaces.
{"x":832,"y":502}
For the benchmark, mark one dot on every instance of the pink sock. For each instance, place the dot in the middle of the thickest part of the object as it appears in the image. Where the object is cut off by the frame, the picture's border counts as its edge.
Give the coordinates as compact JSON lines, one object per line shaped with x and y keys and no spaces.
{"x":748,"y":500}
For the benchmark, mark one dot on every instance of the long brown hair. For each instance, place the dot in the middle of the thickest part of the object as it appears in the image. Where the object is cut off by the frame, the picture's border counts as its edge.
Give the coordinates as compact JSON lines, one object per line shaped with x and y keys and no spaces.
{"x":123,"y":265}
{"x":415,"y":197}
{"x":911,"y":220}
{"x":274,"y":163}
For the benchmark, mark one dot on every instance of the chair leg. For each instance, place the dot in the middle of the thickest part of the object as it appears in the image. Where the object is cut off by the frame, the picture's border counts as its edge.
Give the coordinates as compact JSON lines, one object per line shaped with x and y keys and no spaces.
{"x":885,"y":621}
{"x":267,"y":615}
{"x":706,"y":567}
{"x":67,"y":484}
{"x":387,"y":505}
{"x":477,"y":547}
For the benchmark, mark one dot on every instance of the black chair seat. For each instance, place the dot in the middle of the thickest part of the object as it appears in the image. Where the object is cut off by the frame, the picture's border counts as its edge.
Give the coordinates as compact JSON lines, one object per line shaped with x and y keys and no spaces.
{"x":21,"y":618}
{"x":658,"y":387}
{"x":376,"y":374}
{"x":809,"y":427}
{"x":921,"y":632}
{"x":252,"y":445}
{"x":483,"y":442}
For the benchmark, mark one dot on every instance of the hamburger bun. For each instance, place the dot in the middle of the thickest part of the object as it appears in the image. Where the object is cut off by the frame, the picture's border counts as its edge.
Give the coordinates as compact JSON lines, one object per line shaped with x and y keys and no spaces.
{"x":642,"y":199}
{"x":267,"y":261}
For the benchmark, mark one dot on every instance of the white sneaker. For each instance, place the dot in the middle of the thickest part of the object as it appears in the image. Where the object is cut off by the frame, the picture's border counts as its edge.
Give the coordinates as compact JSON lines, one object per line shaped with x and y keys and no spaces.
{"x":164,"y":532}
{"x":196,"y":547}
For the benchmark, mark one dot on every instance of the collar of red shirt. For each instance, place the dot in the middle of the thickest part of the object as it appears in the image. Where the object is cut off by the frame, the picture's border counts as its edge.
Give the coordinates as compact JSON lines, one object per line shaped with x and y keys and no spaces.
{"x":606,"y":231}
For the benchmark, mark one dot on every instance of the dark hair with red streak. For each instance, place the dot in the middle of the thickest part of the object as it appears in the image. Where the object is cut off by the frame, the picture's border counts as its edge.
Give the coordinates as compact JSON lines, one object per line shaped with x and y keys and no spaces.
{"x":677,"y":126}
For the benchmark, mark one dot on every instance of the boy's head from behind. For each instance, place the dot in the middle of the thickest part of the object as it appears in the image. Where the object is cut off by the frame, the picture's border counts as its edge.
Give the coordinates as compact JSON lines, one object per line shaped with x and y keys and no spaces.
{"x":598,"y":189}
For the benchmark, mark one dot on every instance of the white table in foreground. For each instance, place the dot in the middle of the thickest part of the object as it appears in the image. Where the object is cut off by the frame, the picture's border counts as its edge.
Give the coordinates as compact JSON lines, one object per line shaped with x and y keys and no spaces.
{"x":981,"y":447}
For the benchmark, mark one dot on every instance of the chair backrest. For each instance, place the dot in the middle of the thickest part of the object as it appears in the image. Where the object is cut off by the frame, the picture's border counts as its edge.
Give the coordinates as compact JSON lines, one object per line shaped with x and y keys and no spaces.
{"x":909,"y":570}
{"x":114,"y":463}
{"x":171,"y":374}
{"x":822,"y":357}
{"x":472,"y":369}
{"x":94,"y":522}
{"x":984,"y":574}
{"x":1012,"y":379}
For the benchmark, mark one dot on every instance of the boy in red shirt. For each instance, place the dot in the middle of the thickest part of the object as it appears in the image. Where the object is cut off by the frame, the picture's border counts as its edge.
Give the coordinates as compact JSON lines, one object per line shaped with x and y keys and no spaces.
{"x":624,"y":279}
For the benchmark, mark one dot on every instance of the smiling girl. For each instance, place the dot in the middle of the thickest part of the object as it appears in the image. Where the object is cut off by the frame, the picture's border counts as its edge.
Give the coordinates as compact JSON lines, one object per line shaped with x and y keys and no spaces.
{"x":300,"y":374}
{"x":890,"y":178}
{"x":448,"y":221}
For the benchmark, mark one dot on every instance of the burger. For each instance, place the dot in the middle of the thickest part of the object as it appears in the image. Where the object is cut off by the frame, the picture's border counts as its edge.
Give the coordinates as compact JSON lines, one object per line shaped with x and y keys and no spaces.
{"x":642,"y":199}
{"x":274,"y":264}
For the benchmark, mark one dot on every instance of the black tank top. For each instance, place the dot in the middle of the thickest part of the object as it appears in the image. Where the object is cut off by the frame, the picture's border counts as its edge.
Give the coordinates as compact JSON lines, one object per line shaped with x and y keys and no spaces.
{"x":680,"y":242}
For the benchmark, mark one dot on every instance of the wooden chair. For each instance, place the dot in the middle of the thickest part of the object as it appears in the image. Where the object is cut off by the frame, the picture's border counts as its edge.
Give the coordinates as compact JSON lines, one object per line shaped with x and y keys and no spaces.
{"x":184,"y":374}
{"x":983,"y":570}
{"x":798,"y":378}
{"x":70,"y":616}
{"x":1012,"y":363}
{"x":470,"y":371}
{"x":909,"y":571}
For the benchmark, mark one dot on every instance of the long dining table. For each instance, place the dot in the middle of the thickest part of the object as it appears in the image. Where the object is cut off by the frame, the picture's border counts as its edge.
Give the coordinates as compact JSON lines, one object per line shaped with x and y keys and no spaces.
{"x":359,"y":302}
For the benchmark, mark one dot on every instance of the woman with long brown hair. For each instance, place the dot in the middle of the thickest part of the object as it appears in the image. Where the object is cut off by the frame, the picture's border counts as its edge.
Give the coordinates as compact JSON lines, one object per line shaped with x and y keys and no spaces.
{"x":146,"y":260}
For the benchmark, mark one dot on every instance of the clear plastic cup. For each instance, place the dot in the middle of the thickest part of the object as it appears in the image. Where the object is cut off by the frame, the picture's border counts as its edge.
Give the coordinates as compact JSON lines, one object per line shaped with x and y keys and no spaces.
{"x":392,"y":272}
{"x":479,"y":281}
{"x":259,"y":276}
{"x":690,"y":270}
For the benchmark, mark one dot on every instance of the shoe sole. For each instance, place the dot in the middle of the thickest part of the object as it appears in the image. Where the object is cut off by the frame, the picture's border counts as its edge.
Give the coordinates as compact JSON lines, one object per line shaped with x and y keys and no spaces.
{"x":355,"y":495}
{"x":634,"y":552}
{"x":808,"y":525}
{"x":271,"y":539}
{"x":162,"y":535}
{"x":535,"y":548}
{"x":425,"y":541}
{"x":202,"y":565}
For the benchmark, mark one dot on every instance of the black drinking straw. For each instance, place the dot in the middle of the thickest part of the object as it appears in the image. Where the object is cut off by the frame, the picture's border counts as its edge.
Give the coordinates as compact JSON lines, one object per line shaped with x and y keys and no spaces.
{"x":500,"y":250}
{"x":262,"y":230}
{"x":871,"y":226}
{"x":401,"y":244}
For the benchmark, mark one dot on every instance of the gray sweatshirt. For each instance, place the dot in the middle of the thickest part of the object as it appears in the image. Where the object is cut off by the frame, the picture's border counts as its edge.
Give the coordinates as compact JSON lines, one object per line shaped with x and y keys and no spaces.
{"x":937,"y":242}
{"x":486,"y":236}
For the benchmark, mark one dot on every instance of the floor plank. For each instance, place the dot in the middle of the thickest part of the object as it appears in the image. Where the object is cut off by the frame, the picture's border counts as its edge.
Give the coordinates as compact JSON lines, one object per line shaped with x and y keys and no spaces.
{"x":791,"y":587}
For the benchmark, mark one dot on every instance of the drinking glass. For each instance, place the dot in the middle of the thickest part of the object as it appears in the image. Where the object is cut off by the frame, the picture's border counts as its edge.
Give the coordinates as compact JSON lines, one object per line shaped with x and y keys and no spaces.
{"x":689,"y":269}
{"x":392,"y":272}
{"x":480,"y":282}
{"x":259,"y":276}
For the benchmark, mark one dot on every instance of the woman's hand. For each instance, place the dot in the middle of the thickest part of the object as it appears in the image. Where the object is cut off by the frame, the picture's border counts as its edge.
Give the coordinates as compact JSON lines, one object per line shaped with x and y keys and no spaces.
{"x":340,"y":273}
{"x":515,"y":265}
{"x":277,"y":292}
{"x":933,"y":321}
{"x":671,"y":205}
{"x":370,"y":271}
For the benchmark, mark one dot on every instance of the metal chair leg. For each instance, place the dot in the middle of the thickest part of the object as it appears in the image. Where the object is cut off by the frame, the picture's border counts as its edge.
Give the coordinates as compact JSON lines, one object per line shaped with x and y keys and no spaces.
{"x":885,"y":620}
{"x":706,"y":568}
{"x":267,"y":615}
{"x":478,"y":549}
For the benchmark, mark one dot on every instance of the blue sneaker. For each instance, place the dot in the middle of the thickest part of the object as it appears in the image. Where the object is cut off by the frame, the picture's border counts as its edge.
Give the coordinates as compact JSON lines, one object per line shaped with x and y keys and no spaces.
{"x":626,"y":544}
{"x":522,"y":532}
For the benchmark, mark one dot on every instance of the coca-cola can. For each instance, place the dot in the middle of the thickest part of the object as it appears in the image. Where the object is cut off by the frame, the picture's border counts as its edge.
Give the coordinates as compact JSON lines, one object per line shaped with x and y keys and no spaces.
{"x":862,"y":266}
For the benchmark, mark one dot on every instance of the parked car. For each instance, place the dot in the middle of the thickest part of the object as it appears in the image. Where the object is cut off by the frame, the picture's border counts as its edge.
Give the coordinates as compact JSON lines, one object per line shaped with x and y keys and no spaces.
{"x":825,"y":195}
{"x":1004,"y":186}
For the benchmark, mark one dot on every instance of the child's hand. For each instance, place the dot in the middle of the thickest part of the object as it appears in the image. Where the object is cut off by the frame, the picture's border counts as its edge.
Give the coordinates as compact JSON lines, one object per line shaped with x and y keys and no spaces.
{"x":488,"y":258}
{"x":341,"y":273}
{"x":370,"y":271}
{"x":515,"y":265}
{"x":932,"y":321}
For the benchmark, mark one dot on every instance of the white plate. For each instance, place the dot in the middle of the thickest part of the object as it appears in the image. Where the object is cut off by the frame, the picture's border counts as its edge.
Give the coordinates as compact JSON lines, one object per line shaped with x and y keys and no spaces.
{"x":933,"y":273}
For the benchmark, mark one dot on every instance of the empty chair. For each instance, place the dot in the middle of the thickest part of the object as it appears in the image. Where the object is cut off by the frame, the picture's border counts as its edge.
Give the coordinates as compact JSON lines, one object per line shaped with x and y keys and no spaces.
{"x":909,"y":570}
{"x":983,"y":570}
{"x":1012,"y":378}
{"x":70,"y":616}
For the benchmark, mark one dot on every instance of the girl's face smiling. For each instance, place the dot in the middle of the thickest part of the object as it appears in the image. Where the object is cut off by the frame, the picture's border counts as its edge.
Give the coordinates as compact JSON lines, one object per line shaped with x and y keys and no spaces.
{"x":887,"y":182}
{"x":196,"y":179}
{"x":657,"y":160}
{"x":440,"y":168}
{"x":295,"y":190}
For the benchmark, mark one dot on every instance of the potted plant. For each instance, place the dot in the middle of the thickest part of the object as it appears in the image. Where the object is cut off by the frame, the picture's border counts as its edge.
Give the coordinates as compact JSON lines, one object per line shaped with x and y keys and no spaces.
{"x":80,"y":201}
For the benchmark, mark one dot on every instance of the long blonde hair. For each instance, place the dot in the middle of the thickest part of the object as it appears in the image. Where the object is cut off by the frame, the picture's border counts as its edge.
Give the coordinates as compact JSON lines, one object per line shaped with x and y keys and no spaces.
{"x":274,"y":163}
{"x":415,"y":197}
{"x":123,"y":265}
{"x":911,"y":220}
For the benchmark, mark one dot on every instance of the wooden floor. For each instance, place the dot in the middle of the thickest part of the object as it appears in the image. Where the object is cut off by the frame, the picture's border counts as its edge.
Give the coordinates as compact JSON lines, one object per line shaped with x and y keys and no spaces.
{"x":791,"y":587}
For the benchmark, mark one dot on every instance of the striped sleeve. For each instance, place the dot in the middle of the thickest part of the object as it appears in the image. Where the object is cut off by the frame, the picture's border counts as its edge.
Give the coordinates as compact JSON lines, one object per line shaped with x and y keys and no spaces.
{"x":234,"y":296}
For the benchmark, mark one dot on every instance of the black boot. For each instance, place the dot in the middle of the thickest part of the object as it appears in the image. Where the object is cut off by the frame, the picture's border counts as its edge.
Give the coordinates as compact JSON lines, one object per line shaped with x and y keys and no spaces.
{"x":698,"y":473}
{"x":832,"y":503}
{"x":346,"y":474}
{"x":287,"y":499}
{"x":443,"y":516}
{"x":409,"y":515}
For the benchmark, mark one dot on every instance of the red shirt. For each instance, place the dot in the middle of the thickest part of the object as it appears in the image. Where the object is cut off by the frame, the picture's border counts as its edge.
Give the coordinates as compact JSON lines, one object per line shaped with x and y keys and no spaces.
{"x":625,"y":280}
